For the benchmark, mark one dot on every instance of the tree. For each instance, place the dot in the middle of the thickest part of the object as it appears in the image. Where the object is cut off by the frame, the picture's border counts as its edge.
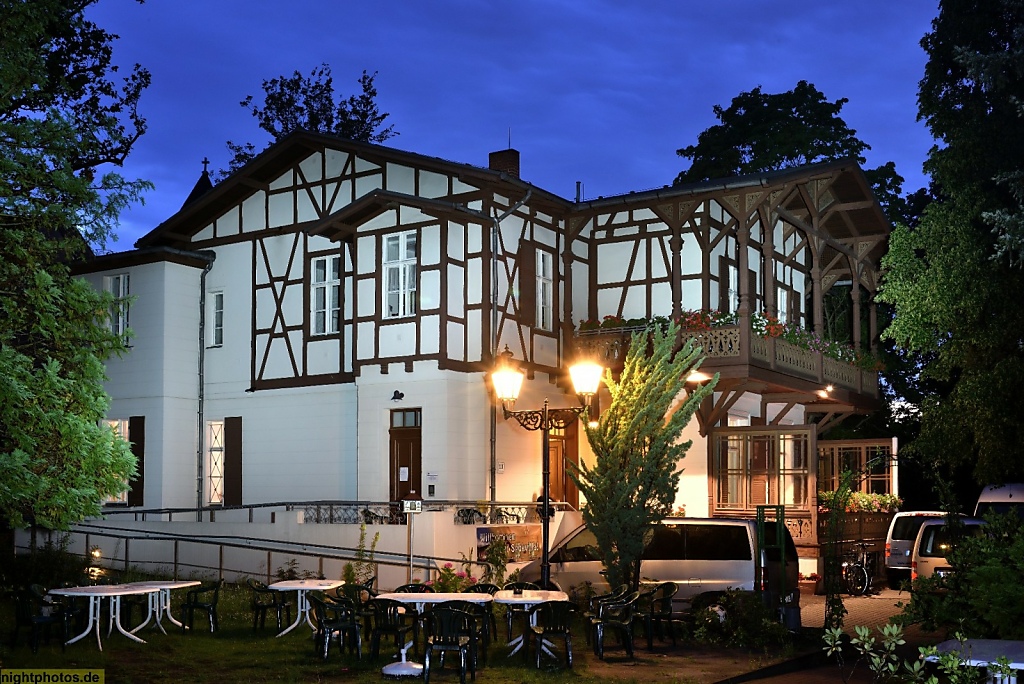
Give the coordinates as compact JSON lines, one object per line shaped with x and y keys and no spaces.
{"x":308,"y":102}
{"x":632,"y":484}
{"x":762,"y":132}
{"x":62,"y":119}
{"x":952,"y":280}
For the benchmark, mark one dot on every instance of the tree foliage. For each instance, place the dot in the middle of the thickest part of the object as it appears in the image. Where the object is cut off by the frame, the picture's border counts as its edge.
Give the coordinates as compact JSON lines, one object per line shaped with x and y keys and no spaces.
{"x":951,"y":279}
{"x":632,"y":484}
{"x":761,"y":132}
{"x":302,"y":102}
{"x":767,"y":132}
{"x":63,"y":118}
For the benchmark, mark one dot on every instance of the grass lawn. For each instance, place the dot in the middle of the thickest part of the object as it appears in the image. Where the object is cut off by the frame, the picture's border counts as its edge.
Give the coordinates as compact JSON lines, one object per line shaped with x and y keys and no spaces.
{"x":237,"y":654}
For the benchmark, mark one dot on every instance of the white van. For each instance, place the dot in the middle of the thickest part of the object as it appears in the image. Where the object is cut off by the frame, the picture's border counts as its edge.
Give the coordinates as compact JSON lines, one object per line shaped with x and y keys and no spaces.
{"x":933,"y":544}
{"x":1001,"y":499}
{"x":701,"y":555}
{"x":899,"y":543}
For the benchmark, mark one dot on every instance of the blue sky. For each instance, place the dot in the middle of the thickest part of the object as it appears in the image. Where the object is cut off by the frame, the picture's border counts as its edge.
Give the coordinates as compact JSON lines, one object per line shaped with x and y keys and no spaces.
{"x":599,"y":92}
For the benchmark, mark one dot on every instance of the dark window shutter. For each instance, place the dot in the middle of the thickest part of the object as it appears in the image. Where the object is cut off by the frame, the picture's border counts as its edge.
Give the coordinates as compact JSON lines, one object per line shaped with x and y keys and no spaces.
{"x":137,"y":437}
{"x":527,"y":258}
{"x":233,"y":461}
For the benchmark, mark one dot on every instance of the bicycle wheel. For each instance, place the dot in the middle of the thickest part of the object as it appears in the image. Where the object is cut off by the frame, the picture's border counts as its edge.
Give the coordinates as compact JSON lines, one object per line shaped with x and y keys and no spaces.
{"x":856,"y":577}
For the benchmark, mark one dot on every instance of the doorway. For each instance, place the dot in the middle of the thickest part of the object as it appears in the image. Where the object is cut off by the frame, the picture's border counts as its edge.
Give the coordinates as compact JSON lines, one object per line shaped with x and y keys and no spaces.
{"x":406,"y":454}
{"x":562,"y":449}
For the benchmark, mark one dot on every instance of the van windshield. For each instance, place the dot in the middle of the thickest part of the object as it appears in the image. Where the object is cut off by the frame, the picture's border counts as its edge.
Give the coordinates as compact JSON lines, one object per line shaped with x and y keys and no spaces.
{"x":1000,"y":507}
{"x":937,"y":540}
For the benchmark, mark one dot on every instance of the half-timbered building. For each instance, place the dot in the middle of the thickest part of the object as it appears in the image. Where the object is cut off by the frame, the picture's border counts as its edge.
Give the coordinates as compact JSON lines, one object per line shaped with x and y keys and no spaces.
{"x":320,"y":325}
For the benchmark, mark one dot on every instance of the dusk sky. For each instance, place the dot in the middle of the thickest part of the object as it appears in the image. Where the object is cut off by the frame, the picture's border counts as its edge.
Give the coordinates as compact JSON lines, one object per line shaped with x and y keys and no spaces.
{"x":600,"y":92}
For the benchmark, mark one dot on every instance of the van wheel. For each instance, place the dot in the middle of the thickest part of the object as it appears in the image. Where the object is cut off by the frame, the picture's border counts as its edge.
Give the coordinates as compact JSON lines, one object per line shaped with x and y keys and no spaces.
{"x":705,"y":600}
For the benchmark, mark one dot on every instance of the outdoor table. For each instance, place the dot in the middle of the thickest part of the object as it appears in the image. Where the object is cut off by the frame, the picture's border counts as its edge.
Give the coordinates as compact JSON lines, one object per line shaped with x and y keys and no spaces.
{"x":408,"y":668}
{"x":112,"y":592}
{"x":528,"y":599}
{"x":302,"y":587}
{"x":160,"y":600}
{"x":984,"y":652}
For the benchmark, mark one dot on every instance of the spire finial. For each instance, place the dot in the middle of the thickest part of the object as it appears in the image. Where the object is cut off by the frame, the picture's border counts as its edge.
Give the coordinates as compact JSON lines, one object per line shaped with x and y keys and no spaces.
{"x":206,"y":162}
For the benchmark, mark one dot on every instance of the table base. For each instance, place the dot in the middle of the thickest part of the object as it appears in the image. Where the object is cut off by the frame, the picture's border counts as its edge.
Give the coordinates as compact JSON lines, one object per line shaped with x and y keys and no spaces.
{"x":403,"y":668}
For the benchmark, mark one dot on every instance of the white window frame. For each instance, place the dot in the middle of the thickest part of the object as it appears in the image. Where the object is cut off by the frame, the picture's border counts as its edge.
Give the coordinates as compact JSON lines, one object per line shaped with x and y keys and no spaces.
{"x":782,"y":303}
{"x":216,"y":319}
{"x":400,"y":254}
{"x":120,"y":426}
{"x":118,"y":285}
{"x":215,"y":461}
{"x":734,"y":288}
{"x":545,"y":290}
{"x":325,"y":294}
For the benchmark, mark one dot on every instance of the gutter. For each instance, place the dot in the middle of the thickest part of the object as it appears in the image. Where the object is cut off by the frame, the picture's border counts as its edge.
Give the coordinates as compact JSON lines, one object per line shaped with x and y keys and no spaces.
{"x":209,"y":257}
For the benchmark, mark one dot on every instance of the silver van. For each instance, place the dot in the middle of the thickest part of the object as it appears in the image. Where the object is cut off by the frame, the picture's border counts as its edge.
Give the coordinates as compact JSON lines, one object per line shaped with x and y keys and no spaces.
{"x":701,"y":555}
{"x":899,"y":543}
{"x":933,"y":544}
{"x":1001,"y":499}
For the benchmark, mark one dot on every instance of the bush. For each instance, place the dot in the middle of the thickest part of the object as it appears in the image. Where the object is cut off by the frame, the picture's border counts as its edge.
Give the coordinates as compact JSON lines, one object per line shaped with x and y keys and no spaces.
{"x":741,"y":619}
{"x":983,"y":597}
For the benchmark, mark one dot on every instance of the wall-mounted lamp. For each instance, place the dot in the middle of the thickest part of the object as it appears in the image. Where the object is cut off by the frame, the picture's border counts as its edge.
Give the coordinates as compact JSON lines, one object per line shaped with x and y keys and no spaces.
{"x":398,"y":396}
{"x":696,"y":377}
{"x":824,"y":393}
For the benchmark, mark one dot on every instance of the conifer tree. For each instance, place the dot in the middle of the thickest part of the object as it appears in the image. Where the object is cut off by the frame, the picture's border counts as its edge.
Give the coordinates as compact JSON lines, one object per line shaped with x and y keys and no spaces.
{"x":632,"y":484}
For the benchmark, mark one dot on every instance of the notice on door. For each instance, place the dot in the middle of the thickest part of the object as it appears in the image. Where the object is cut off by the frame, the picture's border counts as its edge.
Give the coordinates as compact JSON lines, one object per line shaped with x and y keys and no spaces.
{"x":403,"y":474}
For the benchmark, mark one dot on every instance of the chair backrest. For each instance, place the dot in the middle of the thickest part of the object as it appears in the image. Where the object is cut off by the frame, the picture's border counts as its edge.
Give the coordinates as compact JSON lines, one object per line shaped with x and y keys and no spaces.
{"x":513,"y":586}
{"x":553,"y":616}
{"x":447,"y":625}
{"x":482,"y":588}
{"x":621,"y":609}
{"x":414,"y":588}
{"x":259,"y":587}
{"x":337,"y":612}
{"x":661,"y":601}
{"x":388,"y":613}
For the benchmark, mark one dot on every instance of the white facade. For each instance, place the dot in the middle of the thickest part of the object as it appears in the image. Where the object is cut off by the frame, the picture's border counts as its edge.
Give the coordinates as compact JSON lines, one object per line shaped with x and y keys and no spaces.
{"x":332,"y":310}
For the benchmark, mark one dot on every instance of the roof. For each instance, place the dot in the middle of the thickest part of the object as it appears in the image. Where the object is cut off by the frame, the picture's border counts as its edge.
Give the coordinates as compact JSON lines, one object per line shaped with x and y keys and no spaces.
{"x":854,"y":213}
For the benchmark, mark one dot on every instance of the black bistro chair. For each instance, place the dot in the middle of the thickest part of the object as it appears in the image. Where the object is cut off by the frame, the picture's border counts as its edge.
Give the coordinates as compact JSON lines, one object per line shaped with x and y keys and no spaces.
{"x":616,"y":616}
{"x":394,"y":618}
{"x":203,"y":598}
{"x":335,"y":617}
{"x":34,"y":611}
{"x":486,"y":588}
{"x":550,"y":619}
{"x":448,"y":630}
{"x":265,"y":600}
{"x":656,"y":613}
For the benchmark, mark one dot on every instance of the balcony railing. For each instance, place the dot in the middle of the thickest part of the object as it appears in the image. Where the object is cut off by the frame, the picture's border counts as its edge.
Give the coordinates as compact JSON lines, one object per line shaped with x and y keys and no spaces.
{"x":609,"y":346}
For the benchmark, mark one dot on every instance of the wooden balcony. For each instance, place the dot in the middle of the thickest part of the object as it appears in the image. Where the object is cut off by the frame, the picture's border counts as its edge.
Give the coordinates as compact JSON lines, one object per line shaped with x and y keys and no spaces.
{"x":781,"y":366}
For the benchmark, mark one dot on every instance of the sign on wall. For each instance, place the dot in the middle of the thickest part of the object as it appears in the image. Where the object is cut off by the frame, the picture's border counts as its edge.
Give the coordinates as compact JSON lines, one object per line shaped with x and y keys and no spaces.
{"x":523,"y":541}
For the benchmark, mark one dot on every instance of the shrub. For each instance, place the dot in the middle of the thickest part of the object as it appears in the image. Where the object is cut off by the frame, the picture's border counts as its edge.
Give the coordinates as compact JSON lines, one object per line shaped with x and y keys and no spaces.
{"x":740,"y":619}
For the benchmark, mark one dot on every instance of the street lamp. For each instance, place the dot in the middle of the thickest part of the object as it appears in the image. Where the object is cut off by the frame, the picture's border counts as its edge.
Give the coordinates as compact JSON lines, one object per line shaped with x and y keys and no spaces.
{"x":508,"y":380}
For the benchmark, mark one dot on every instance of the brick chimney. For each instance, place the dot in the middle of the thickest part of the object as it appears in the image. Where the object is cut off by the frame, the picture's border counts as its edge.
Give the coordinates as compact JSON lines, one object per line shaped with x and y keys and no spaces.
{"x":505,"y":160}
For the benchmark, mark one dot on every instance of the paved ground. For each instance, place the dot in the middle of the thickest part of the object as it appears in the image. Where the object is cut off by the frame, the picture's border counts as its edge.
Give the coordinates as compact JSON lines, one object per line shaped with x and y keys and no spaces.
{"x":694,"y":664}
{"x":870,"y":611}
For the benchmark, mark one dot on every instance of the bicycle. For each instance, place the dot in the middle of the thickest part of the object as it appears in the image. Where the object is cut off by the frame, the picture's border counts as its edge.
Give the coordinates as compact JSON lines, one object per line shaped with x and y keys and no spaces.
{"x":856,"y":577}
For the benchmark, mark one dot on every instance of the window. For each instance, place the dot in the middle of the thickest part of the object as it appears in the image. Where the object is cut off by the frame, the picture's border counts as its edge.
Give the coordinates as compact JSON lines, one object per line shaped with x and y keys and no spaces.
{"x":325,"y":296}
{"x":215,"y":458}
{"x":758,"y":466}
{"x":545,"y":290}
{"x":117,"y":285}
{"x":216,"y":321}
{"x":782,"y":304}
{"x":120,"y":426}
{"x":872,"y":461}
{"x":400,"y":275}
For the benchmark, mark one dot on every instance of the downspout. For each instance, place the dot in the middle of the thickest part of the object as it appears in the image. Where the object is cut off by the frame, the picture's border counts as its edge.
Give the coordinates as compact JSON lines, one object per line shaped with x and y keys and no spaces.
{"x":201,"y":394}
{"x":495,"y":227}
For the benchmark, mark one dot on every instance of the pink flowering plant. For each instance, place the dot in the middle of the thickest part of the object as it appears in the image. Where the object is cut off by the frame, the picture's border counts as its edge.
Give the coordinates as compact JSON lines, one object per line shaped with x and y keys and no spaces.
{"x":451,"y":581}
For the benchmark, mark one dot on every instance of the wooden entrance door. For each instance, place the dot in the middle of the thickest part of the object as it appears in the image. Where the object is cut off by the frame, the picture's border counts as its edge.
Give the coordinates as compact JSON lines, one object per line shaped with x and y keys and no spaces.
{"x":561,"y":450}
{"x":406,"y":455}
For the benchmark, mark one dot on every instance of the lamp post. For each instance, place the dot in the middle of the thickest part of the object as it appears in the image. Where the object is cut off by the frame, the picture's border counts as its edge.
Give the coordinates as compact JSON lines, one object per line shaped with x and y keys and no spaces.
{"x":508,"y":380}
